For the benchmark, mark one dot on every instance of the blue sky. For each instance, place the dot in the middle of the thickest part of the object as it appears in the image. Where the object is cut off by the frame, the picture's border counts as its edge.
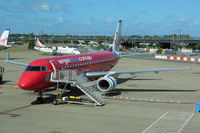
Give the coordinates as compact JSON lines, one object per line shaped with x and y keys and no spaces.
{"x":100,"y":17}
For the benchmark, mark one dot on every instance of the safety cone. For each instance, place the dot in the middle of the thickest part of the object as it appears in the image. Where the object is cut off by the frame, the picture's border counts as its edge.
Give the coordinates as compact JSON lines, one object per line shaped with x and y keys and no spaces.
{"x":16,"y":88}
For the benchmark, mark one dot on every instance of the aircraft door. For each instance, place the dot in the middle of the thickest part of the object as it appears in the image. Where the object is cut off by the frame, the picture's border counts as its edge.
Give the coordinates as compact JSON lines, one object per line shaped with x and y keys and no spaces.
{"x":53,"y":65}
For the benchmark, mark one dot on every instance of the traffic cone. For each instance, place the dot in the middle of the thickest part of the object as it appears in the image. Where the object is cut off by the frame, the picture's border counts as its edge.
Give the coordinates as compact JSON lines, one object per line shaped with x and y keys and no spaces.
{"x":16,"y":88}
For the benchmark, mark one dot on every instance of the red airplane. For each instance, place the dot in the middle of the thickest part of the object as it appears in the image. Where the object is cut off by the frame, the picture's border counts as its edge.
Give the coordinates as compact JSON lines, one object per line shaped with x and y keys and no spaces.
{"x":36,"y":76}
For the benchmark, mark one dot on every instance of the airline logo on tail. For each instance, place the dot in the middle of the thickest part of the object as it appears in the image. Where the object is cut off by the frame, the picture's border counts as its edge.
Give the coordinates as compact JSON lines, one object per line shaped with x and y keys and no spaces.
{"x":116,"y":40}
{"x":38,"y":43}
{"x":4,"y":38}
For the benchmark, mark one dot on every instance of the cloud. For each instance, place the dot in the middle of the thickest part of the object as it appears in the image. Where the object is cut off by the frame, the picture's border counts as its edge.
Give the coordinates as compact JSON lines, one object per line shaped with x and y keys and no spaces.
{"x":58,"y":7}
{"x":109,"y":20}
{"x":136,"y":22}
{"x":88,"y":22}
{"x":170,"y":16}
{"x":183,"y":20}
{"x":33,"y":17}
{"x":45,"y":7}
{"x":42,"y":0}
{"x":196,"y":23}
{"x":59,"y":20}
{"x":144,"y":12}
{"x":63,"y":8}
{"x":45,"y":24}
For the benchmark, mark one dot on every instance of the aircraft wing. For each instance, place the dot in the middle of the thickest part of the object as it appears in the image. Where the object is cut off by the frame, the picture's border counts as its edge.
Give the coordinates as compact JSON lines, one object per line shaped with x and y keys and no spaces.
{"x":16,"y":63}
{"x":7,"y":60}
{"x":116,"y":73}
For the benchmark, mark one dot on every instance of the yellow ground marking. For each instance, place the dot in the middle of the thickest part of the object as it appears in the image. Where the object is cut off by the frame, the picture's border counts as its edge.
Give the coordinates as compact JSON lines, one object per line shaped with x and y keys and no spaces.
{"x":15,"y":109}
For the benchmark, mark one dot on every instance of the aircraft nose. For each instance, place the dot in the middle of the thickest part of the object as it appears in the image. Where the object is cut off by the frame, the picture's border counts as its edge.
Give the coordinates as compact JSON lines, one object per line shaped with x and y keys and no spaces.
{"x":24,"y":84}
{"x":30,"y":81}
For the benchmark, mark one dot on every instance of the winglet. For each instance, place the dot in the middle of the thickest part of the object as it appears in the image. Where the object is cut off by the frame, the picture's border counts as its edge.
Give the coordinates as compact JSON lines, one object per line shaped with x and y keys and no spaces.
{"x":7,"y":60}
{"x":8,"y":56}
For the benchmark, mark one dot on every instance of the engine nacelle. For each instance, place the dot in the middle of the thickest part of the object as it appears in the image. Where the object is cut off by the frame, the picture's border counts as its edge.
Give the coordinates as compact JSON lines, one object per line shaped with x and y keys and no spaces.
{"x":106,"y":83}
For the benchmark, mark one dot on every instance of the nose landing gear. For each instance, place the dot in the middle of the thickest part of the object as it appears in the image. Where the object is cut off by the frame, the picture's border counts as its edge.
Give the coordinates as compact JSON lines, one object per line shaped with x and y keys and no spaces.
{"x":40,"y":99}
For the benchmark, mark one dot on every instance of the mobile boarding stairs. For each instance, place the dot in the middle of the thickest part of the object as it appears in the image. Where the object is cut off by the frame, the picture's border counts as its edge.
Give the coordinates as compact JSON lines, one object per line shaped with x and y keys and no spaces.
{"x":78,"y":79}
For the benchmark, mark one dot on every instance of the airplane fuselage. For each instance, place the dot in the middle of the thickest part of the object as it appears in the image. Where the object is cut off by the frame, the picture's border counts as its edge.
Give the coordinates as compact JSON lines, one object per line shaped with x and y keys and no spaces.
{"x":37,"y":74}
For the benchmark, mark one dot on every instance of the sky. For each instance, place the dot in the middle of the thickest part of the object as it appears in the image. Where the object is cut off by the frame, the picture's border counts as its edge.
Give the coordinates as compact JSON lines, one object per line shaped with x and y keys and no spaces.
{"x":100,"y":17}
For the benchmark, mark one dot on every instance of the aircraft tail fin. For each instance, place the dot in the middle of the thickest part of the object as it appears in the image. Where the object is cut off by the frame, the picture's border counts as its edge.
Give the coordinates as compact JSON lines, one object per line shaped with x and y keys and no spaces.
{"x":38,"y":43}
{"x":4,"y":38}
{"x":116,"y":40}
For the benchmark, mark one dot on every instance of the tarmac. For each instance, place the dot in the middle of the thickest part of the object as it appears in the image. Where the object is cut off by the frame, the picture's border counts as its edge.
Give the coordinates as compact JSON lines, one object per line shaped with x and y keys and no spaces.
{"x":141,"y":103}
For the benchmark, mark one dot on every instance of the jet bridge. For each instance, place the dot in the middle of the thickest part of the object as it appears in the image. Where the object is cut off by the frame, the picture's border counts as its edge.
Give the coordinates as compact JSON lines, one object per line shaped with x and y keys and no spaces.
{"x":78,"y":79}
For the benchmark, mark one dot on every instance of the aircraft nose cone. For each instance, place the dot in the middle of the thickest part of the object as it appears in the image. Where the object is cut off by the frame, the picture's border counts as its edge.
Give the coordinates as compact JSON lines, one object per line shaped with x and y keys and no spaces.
{"x":31,"y":81}
{"x":27,"y":81}
{"x":23,"y":84}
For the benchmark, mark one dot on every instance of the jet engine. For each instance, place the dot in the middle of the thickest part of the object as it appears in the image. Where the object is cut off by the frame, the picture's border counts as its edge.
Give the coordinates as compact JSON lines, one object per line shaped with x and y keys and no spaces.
{"x":106,"y":83}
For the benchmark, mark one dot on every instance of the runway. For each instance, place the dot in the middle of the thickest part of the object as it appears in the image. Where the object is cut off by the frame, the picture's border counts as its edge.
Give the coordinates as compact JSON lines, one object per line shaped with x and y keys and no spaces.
{"x":117,"y":116}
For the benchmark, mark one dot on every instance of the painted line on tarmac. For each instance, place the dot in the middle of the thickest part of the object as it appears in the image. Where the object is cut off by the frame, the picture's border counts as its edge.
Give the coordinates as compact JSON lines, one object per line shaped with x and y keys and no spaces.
{"x":78,"y":105}
{"x":151,"y":100}
{"x":7,"y":112}
{"x":155,"y":122}
{"x":11,"y":115}
{"x":188,"y":120}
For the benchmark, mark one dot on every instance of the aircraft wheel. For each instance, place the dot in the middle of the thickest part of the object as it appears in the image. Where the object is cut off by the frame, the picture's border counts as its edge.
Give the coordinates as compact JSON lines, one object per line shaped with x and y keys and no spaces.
{"x":55,"y":102}
{"x":1,"y":79}
{"x":40,"y":100}
{"x":68,"y":86}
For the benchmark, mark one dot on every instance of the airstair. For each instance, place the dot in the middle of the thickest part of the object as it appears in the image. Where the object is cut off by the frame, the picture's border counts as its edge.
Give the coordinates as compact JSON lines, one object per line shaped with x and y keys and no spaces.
{"x":78,"y":79}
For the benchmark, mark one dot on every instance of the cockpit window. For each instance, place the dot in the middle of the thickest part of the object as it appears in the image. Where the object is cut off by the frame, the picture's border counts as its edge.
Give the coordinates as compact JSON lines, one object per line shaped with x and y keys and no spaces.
{"x":33,"y":68}
{"x":44,"y":68}
{"x":36,"y":68}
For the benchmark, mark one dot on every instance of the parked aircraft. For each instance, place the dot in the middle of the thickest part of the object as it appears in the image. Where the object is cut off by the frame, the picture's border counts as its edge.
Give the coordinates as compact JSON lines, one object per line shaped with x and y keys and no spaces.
{"x":39,"y":46}
{"x":36,"y":76}
{"x":4,"y":38}
{"x":55,"y":50}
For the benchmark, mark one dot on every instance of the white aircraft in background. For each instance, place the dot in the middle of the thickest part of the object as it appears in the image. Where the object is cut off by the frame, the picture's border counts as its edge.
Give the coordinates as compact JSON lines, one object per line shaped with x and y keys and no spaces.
{"x":67,"y":50}
{"x":55,"y":50}
{"x":4,"y":38}
{"x":39,"y":46}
